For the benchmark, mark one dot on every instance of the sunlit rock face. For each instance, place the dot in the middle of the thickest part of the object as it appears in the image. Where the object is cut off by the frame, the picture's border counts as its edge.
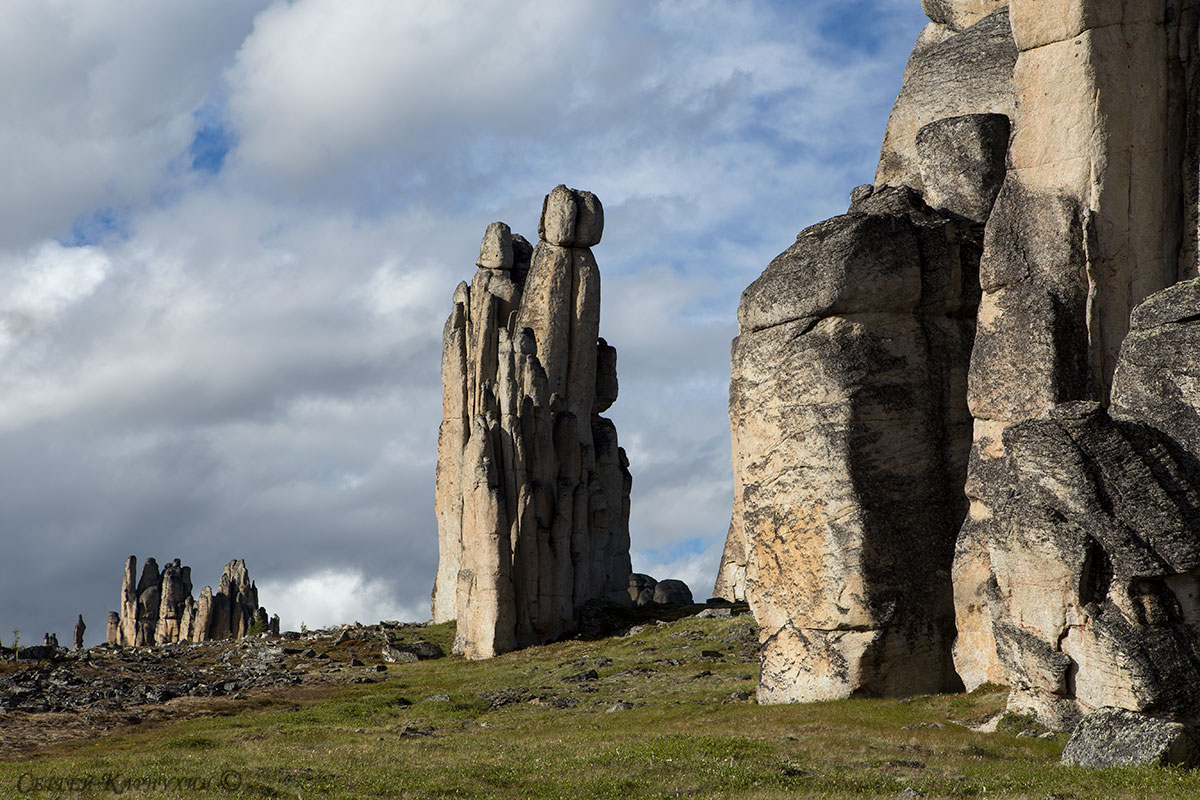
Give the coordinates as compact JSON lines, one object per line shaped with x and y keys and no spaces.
{"x":532,"y":493}
{"x":1054,"y":145}
{"x":850,"y":438}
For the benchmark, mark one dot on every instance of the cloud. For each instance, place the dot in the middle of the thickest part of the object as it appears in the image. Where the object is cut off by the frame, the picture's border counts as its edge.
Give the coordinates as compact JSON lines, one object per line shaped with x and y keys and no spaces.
{"x":44,"y":283}
{"x":332,"y":597}
{"x":276,"y":201}
{"x":96,"y":102}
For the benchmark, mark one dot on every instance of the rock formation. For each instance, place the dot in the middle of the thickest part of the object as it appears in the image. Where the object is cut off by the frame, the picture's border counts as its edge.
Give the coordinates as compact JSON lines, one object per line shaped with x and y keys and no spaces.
{"x":532,"y":494}
{"x":962,"y":340}
{"x":850,"y":475}
{"x":644,"y":591}
{"x":77,"y":637}
{"x":641,"y":589}
{"x":160,"y":609}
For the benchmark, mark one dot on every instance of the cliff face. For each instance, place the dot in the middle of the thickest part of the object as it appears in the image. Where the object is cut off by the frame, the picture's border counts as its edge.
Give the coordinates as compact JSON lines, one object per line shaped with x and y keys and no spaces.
{"x":926,"y":355}
{"x":159,"y":607}
{"x":532,"y":492}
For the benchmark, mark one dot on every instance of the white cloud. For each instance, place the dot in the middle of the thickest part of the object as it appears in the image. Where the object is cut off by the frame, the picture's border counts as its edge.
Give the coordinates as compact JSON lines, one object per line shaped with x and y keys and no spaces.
{"x":248,"y":367}
{"x":43,"y":283}
{"x":323,"y":82}
{"x":333,"y":597}
{"x":96,"y":102}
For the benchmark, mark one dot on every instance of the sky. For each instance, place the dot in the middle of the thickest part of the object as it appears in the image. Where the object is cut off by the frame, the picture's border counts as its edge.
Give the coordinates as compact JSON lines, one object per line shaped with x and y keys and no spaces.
{"x":230,"y":232}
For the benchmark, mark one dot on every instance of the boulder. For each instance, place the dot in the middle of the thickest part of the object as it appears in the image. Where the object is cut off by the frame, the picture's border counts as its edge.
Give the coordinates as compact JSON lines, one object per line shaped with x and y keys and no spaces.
{"x":496,"y":249}
{"x":949,"y":74}
{"x":961,"y":161}
{"x":672,"y":592}
{"x":641,"y":589}
{"x":571,"y":218}
{"x":1117,"y":737}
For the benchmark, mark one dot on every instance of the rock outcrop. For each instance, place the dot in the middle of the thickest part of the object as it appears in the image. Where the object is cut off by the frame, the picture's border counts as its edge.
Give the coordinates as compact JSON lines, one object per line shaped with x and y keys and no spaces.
{"x":532,"y":494}
{"x":1096,"y":568}
{"x":972,"y":337}
{"x":850,"y":437}
{"x":160,"y":608}
{"x":1098,"y":211}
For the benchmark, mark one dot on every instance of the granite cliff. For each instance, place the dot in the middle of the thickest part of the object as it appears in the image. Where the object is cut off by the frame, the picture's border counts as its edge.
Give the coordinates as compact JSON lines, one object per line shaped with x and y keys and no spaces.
{"x":966,"y":414}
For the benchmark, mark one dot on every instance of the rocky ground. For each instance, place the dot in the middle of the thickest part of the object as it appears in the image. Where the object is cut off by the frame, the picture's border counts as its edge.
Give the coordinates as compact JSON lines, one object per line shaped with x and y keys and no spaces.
{"x":49,"y":695}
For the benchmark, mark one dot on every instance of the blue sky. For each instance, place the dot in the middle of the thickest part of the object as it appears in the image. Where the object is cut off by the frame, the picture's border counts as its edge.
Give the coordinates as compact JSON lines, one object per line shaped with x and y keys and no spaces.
{"x":231,"y":230}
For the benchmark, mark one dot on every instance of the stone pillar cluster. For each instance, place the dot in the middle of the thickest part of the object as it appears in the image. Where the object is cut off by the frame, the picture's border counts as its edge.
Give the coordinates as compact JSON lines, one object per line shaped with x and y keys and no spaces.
{"x":532,"y":493}
{"x":158,"y":607}
{"x":1000,"y":332}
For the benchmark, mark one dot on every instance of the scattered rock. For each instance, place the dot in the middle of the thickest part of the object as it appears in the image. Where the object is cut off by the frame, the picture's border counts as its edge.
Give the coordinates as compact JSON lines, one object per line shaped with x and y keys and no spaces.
{"x":1110,"y":737}
{"x":672,"y":592}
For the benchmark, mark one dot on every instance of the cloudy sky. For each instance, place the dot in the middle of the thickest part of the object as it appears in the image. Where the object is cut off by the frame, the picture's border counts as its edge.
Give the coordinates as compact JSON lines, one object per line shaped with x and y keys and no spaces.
{"x":230,"y":230}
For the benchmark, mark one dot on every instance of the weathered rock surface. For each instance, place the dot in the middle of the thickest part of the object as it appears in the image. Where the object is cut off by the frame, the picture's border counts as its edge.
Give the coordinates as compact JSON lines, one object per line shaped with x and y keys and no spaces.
{"x":160,"y":608}
{"x":1116,"y":737}
{"x":1092,"y":537}
{"x":1097,"y":212}
{"x":948,"y":75}
{"x":1096,"y":561}
{"x":731,"y":574}
{"x":532,"y":489}
{"x":960,"y":14}
{"x":1157,"y":380}
{"x":961,"y":161}
{"x":850,"y":438}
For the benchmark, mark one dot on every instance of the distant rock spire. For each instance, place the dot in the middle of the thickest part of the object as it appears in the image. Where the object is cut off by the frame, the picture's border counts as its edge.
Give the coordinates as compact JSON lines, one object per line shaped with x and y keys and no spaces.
{"x":532,"y":488}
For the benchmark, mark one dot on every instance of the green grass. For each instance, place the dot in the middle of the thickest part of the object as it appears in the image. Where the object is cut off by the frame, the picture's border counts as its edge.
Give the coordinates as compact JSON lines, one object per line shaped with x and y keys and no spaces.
{"x":684,"y":737}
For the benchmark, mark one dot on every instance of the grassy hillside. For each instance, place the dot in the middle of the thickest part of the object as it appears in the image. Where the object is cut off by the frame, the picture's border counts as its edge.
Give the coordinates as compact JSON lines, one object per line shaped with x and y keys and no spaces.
{"x":668,"y":712}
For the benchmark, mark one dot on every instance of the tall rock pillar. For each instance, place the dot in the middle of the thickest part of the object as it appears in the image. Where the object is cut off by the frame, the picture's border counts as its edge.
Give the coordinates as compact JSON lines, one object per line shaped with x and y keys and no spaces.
{"x":532,"y":489}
